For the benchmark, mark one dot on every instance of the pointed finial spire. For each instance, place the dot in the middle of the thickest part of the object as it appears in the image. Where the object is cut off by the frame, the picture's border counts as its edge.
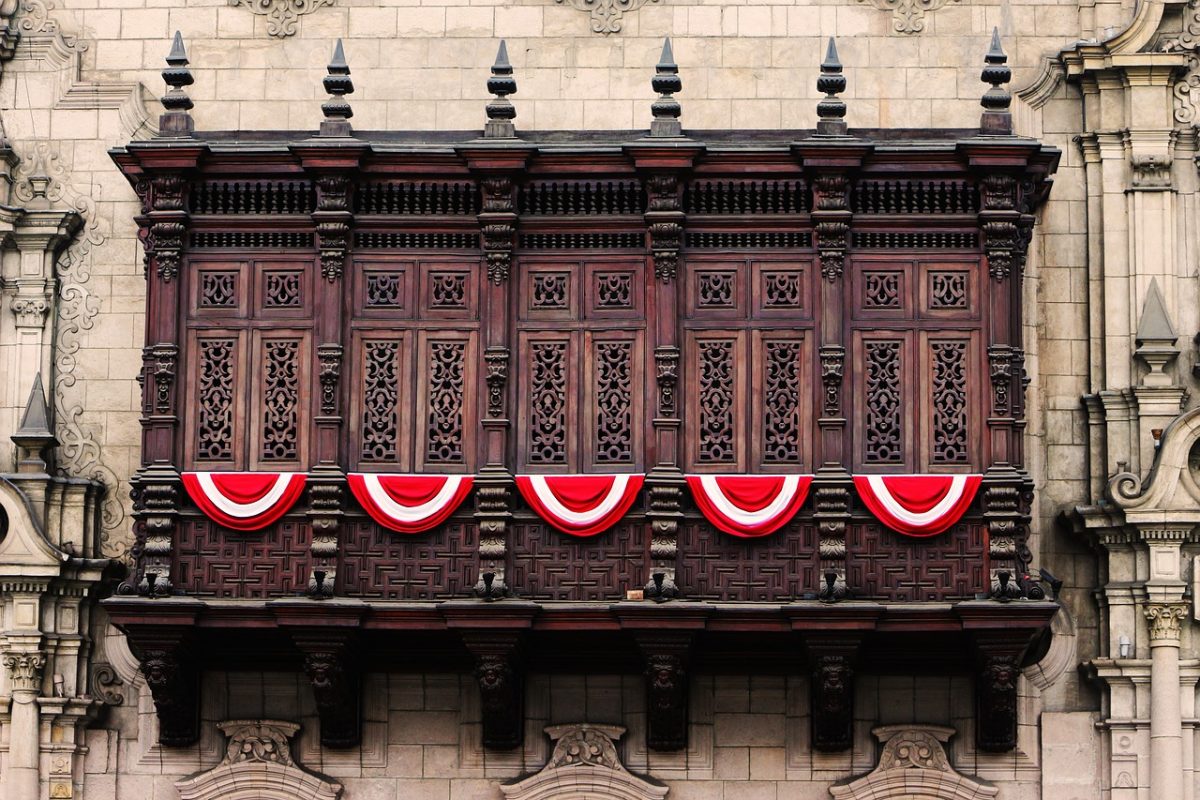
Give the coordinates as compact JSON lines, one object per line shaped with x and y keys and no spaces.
{"x":666,"y":82}
{"x":175,"y":120}
{"x":500,"y":112}
{"x":1156,"y":339}
{"x":34,"y":436}
{"x":831,"y":111}
{"x":996,"y":119}
{"x":336,"y":110}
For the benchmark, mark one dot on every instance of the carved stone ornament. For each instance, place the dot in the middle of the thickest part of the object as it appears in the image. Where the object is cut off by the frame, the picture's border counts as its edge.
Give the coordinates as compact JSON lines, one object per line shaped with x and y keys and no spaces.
{"x":913,"y":764}
{"x":30,"y":312}
{"x":908,"y":16}
{"x":584,"y":764}
{"x":25,"y":670}
{"x":258,"y":763}
{"x":174,"y":685}
{"x":606,"y":15}
{"x":1165,"y":621}
{"x":335,"y":683}
{"x":282,"y":15}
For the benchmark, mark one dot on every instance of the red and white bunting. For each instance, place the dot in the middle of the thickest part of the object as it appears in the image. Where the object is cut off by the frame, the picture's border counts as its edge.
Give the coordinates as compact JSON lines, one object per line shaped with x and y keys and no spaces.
{"x":581,"y":505}
{"x":244,"y":501}
{"x":917,"y":505}
{"x":409,"y":503}
{"x":749,"y":505}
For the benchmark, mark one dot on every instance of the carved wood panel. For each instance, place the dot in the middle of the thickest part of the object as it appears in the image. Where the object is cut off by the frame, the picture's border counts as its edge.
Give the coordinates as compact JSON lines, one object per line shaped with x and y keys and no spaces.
{"x":214,"y":399}
{"x":715,"y":566}
{"x":374,"y":563}
{"x":883,"y":565}
{"x":446,"y":401}
{"x":549,"y":565}
{"x":216,"y":561}
{"x":381,"y":430}
{"x":280,"y":400}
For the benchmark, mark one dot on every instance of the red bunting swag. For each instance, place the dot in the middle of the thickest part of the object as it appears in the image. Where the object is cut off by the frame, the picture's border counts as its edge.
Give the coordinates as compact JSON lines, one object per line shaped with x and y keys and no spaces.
{"x":581,"y":505}
{"x":409,"y":503}
{"x":749,"y":505}
{"x":917,"y":505}
{"x":244,"y":501}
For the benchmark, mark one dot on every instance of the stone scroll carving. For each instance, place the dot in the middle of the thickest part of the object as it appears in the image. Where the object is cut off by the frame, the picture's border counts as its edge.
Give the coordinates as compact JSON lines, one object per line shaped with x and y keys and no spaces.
{"x":584,"y":764}
{"x":913,"y":764}
{"x":258,"y":764}
{"x":908,"y":16}
{"x":606,"y":16}
{"x":282,"y":15}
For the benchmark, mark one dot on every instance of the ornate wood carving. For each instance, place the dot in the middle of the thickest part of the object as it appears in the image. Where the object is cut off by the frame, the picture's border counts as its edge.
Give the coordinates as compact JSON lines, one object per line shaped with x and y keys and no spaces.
{"x":168,"y":666}
{"x":501,"y":679}
{"x":884,"y":434}
{"x":996,"y":701}
{"x":949,"y":404}
{"x":498,"y":225}
{"x":332,"y":668}
{"x":667,"y":657}
{"x":332,"y":219}
{"x":832,"y":694}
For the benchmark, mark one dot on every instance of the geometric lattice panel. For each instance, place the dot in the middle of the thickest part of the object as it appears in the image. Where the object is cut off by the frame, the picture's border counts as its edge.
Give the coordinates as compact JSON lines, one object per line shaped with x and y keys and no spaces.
{"x":215,"y":561}
{"x":380,"y":564}
{"x":776,"y":568}
{"x":548,"y":565}
{"x":883,"y":565}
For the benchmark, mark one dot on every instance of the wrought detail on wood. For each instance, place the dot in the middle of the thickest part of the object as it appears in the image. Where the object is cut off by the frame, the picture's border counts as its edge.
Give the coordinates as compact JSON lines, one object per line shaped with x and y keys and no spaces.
{"x":881,"y":290}
{"x":548,"y":566}
{"x":665,"y":501}
{"x":948,"y":290}
{"x":174,"y":683}
{"x":498,"y":226}
{"x":501,"y":681}
{"x":996,"y":702}
{"x":325,"y":499}
{"x":155,"y":506}
{"x":1000,"y":242}
{"x":716,"y":368}
{"x":908,"y":16}
{"x":664,"y":222}
{"x":334,"y":676}
{"x":548,"y":403}
{"x":999,"y":192}
{"x":496,"y":361}
{"x":581,"y":198}
{"x":214,"y":406}
{"x":400,"y":198}
{"x":831,"y":245}
{"x":781,"y":423}
{"x":665,"y":241}
{"x":832,"y":698}
{"x":416,"y":241}
{"x":167,"y":238}
{"x":218,"y":289}
{"x":832,"y":503}
{"x":251,"y":240}
{"x":833,"y":363}
{"x":1005,"y":521}
{"x":920,"y":240}
{"x":831,"y":192}
{"x":381,"y":399}
{"x":1000,"y":366}
{"x":242,"y":198}
{"x":165,"y":358}
{"x":581,"y":241}
{"x":666,"y":368}
{"x":385,"y":290}
{"x":376,"y":564}
{"x":550,"y":290}
{"x":332,"y":219}
{"x":949,"y":403}
{"x":281,"y":399}
{"x":613,"y":362}
{"x":717,"y":567}
{"x":220,"y":563}
{"x":329,"y":357}
{"x":715,"y":289}
{"x":449,"y":290}
{"x":783,"y":290}
{"x":282,"y":290}
{"x":667,"y":660}
{"x":447,"y":366}
{"x":749,"y":240}
{"x":914,"y":197}
{"x":726,"y":197}
{"x":492,"y":496}
{"x":614,"y":290}
{"x":884,"y":431}
{"x":886,"y":566}
{"x":606,"y":16}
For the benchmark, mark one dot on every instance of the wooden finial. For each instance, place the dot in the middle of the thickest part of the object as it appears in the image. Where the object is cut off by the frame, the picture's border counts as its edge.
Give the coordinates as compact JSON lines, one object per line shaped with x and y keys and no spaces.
{"x":831,"y":110}
{"x":175,"y":119}
{"x":501,"y":112}
{"x":338,"y":84}
{"x":666,"y":82}
{"x":996,"y":119}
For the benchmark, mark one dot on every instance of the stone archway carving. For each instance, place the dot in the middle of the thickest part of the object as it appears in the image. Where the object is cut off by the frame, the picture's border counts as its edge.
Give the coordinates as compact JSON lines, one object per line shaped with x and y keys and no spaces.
{"x":913,"y":766}
{"x":258,"y":765}
{"x":584,"y":764}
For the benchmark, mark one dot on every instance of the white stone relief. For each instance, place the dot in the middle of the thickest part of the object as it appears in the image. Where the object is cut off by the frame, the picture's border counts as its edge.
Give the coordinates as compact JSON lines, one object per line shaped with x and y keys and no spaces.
{"x":258,"y":765}
{"x":282,"y":15}
{"x":913,"y":764}
{"x":908,"y":16}
{"x":606,"y":16}
{"x":584,"y":764}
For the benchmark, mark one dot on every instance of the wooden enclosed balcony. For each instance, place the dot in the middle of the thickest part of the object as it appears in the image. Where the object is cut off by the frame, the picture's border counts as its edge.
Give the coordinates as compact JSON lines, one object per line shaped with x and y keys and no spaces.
{"x":337,"y":312}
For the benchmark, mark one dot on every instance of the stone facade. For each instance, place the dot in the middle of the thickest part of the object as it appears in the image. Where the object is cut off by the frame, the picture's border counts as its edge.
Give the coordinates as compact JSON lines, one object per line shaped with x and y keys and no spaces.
{"x":1112,"y":302}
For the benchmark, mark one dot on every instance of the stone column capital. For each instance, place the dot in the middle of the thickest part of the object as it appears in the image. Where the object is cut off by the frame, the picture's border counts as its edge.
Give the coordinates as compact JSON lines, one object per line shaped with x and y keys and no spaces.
{"x":1166,"y":621}
{"x":25,"y":670}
